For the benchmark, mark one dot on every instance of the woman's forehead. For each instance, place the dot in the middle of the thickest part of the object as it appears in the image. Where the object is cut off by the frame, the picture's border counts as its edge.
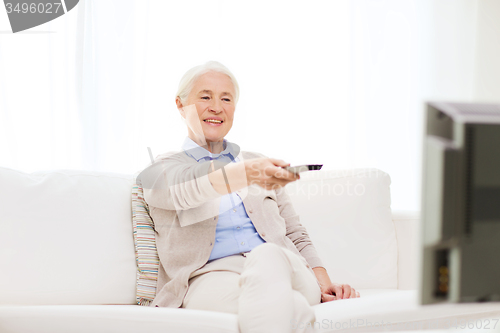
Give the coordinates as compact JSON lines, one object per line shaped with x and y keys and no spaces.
{"x":214,"y":82}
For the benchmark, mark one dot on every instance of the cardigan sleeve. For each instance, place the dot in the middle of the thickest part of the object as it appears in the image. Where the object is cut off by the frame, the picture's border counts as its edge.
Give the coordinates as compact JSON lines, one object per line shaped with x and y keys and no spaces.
{"x":175,"y":183}
{"x":296,"y":231}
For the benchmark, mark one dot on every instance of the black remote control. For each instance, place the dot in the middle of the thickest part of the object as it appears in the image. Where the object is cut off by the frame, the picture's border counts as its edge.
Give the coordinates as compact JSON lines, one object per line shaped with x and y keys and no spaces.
{"x":302,"y":168}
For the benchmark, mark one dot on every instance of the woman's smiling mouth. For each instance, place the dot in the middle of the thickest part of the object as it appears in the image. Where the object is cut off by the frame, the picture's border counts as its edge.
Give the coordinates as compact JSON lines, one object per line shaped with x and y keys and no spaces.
{"x":213,"y":122}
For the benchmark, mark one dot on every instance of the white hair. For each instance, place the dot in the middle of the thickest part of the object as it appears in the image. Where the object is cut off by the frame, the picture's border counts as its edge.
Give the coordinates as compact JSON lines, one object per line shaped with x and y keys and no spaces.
{"x":187,"y":81}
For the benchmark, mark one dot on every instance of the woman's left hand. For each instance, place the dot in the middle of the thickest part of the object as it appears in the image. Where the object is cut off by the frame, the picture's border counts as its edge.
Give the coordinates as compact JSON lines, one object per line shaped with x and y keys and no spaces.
{"x":336,"y":291}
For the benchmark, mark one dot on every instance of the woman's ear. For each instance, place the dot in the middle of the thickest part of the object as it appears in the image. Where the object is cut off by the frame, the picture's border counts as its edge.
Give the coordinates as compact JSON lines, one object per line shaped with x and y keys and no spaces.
{"x":180,"y":107}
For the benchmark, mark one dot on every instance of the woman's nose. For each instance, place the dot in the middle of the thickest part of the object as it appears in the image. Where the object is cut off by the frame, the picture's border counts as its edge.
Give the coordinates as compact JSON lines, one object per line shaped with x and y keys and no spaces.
{"x":216,"y":106}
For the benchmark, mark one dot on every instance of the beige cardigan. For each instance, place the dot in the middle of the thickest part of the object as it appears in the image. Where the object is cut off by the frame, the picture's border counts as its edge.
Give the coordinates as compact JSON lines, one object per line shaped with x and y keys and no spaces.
{"x":185,"y":215}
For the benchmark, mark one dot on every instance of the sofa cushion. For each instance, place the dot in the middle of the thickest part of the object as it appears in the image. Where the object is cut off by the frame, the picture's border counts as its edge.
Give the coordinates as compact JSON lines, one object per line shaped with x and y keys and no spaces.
{"x":377,"y":310}
{"x":66,"y":238}
{"x":112,"y":319}
{"x":347,"y":214}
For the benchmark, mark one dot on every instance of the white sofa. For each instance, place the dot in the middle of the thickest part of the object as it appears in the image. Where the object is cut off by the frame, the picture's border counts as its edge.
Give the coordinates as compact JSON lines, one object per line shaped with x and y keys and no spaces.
{"x":68,"y":261}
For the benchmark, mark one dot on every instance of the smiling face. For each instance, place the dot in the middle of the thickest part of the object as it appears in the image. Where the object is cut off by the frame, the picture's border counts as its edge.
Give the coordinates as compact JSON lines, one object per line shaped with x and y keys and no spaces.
{"x":209,"y":108}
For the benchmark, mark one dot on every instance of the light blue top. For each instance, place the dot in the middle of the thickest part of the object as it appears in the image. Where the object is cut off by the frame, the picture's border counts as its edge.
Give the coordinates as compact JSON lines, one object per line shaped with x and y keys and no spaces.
{"x":235,"y":232}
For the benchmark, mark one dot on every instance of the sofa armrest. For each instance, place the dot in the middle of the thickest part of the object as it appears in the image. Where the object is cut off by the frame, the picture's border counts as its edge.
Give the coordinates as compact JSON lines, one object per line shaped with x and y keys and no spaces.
{"x":407,"y":224}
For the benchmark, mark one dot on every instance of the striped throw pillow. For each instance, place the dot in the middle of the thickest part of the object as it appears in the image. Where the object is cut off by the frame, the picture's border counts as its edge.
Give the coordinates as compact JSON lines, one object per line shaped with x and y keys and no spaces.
{"x":145,"y":248}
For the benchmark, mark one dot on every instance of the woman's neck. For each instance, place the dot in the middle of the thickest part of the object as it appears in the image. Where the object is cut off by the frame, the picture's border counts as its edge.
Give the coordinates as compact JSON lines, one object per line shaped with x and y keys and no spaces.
{"x":215,"y":147}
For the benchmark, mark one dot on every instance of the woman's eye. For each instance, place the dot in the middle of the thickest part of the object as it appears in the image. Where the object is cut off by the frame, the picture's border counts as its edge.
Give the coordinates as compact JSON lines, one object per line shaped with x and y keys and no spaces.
{"x":205,"y":97}
{"x":227,"y":99}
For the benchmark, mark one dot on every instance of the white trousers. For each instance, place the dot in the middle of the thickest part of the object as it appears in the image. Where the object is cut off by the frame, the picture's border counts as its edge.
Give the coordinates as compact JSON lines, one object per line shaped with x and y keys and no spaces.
{"x":271,"y":290}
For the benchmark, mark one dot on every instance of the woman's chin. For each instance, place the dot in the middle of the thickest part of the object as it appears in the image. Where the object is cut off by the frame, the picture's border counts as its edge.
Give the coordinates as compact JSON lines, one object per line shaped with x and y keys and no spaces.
{"x":213,"y":137}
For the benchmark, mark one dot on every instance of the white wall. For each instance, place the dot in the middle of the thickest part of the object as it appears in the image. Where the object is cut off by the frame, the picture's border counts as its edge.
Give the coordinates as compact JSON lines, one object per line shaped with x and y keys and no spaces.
{"x":404,"y":53}
{"x":339,"y":83}
{"x":342,"y":83}
{"x":487,"y":61}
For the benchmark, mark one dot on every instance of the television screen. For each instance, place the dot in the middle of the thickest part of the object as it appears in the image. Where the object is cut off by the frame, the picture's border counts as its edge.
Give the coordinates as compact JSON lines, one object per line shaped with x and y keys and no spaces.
{"x":460,"y":230}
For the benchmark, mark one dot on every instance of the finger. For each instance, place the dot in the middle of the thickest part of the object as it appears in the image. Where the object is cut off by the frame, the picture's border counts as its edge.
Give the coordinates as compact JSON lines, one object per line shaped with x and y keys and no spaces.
{"x":327,"y":298}
{"x":286,"y":175}
{"x":357,"y":294}
{"x":283,"y":173}
{"x":279,"y":173}
{"x":278,"y":162}
{"x":353,"y":293}
{"x":347,"y":290}
{"x":291,"y":175}
{"x":337,"y":289}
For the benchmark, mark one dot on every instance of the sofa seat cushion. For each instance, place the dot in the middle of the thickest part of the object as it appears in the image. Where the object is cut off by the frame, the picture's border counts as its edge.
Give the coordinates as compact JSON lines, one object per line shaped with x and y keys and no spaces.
{"x":112,"y":319}
{"x":393,"y":309}
{"x":375,"y":307}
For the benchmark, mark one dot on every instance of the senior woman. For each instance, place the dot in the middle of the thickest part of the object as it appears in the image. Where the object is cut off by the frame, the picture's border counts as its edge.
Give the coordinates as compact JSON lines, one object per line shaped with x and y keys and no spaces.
{"x":227,"y":235}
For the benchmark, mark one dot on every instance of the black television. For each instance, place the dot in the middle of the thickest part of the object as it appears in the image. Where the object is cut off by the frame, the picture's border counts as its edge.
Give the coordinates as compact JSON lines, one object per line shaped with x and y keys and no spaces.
{"x":460,"y":229}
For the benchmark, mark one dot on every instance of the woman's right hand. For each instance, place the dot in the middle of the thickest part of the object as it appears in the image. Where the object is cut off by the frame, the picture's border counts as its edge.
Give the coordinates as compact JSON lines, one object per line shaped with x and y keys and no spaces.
{"x":268,"y":173}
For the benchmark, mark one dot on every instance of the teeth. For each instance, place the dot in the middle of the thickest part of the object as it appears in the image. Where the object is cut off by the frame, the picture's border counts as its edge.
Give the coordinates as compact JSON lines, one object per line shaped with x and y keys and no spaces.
{"x":213,"y":121}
